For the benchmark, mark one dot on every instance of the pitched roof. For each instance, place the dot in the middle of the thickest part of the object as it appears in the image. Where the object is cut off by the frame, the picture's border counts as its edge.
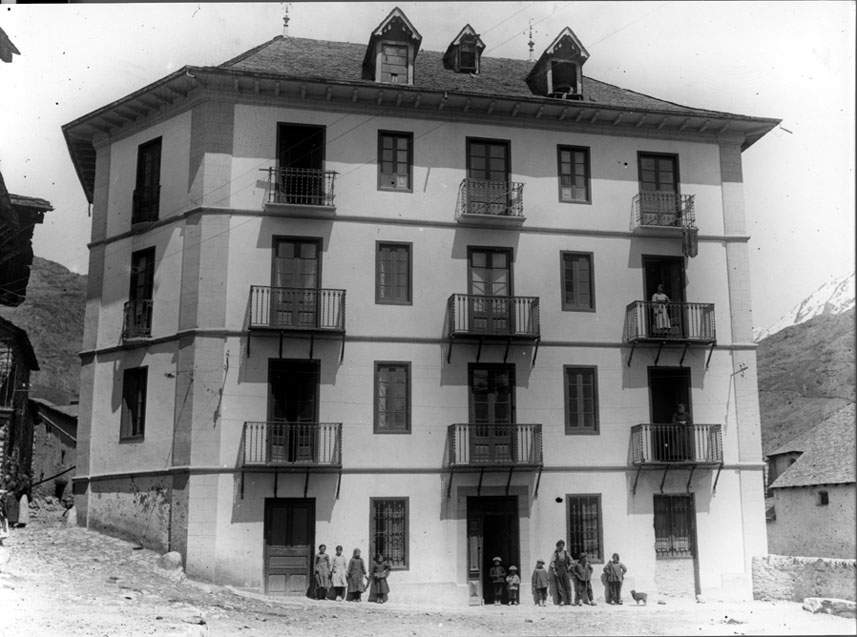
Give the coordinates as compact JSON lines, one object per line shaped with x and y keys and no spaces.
{"x":503,"y":77}
{"x":828,"y":456}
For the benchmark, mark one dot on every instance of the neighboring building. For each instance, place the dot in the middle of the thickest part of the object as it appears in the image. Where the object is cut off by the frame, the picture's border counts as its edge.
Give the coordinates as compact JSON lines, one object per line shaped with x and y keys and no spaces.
{"x":54,"y":443}
{"x":399,"y":300}
{"x":815,"y":497}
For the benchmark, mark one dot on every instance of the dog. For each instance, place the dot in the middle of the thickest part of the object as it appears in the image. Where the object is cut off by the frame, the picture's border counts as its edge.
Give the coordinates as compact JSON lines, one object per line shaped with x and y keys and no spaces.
{"x":640,"y":597}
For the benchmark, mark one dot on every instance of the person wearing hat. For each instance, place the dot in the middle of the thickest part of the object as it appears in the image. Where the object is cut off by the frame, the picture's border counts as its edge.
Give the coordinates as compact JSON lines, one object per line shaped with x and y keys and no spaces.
{"x":560,"y":568}
{"x":583,"y":580}
{"x":498,"y":579}
{"x":513,"y":584}
{"x":540,"y":583}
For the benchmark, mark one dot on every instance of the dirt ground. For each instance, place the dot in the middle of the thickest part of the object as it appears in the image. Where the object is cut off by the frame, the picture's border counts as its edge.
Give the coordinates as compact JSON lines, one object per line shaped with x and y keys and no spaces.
{"x":57,"y":580}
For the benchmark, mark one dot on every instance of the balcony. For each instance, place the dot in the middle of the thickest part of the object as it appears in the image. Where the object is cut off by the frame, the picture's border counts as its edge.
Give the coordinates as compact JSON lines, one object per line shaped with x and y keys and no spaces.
{"x":662,"y":209}
{"x":663,"y":324}
{"x":665,"y":446}
{"x":494,"y":447}
{"x":493,"y":318}
{"x":145,"y":203}
{"x":301,"y":191}
{"x":298,"y":309}
{"x":137,"y":321}
{"x":306,"y":445}
{"x":492,"y":203}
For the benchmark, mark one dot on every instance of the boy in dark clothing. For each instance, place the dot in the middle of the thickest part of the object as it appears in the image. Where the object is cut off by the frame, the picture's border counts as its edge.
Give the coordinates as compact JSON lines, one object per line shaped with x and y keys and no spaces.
{"x":540,"y":583}
{"x":615,"y":572}
{"x":560,"y":568}
{"x":582,"y":577}
{"x":498,"y":579}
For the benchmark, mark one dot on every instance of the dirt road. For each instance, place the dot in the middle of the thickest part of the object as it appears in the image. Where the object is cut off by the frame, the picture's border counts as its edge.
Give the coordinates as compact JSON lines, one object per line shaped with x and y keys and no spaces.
{"x":61,"y":581}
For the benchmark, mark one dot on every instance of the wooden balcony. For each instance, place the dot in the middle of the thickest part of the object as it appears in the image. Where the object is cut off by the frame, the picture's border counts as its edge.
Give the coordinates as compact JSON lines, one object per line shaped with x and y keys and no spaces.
{"x":670,"y":323}
{"x":137,"y":322}
{"x":301,"y":191}
{"x":492,"y":203}
{"x":492,"y":318}
{"x":665,"y":446}
{"x":661,"y":210}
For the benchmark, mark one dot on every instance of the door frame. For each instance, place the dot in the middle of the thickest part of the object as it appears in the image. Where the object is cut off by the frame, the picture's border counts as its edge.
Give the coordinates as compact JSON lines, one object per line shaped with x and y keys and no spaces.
{"x":293,"y":438}
{"x":281,"y":126}
{"x":269,"y":504}
{"x":480,"y":507}
{"x":319,"y":244}
{"x":694,"y":541}
{"x":685,"y":379}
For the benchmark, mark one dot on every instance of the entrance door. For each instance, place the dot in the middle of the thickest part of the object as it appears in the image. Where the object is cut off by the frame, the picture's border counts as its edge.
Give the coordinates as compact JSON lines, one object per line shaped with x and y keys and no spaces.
{"x":488,"y":170}
{"x":675,"y":540}
{"x":295,"y":280}
{"x":492,"y":531}
{"x":490,"y":276}
{"x":669,"y":272}
{"x":659,"y":189}
{"x":293,"y":411}
{"x":492,"y":414}
{"x":669,"y":386}
{"x":301,"y":169}
{"x":289,"y":539}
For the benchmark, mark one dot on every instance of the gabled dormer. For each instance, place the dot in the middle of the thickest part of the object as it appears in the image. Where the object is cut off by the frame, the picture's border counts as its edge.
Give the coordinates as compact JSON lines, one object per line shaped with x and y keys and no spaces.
{"x":392,"y":49}
{"x":559,"y":71}
{"x":464,"y":53}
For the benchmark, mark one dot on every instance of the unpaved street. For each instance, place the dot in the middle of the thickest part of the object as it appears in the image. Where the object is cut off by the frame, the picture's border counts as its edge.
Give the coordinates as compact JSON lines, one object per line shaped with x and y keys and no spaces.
{"x":69,"y":581}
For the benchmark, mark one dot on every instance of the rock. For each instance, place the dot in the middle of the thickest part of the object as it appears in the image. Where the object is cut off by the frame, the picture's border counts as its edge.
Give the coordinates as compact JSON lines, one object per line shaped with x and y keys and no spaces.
{"x":5,"y":556}
{"x":831,"y":606}
{"x":70,"y":517}
{"x":171,"y":561}
{"x":662,"y":602}
{"x":700,"y":599}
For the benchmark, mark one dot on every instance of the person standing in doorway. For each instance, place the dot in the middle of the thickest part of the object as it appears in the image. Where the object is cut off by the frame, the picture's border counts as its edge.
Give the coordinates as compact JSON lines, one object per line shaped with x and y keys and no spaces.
{"x":660,"y":313}
{"x":498,"y":580}
{"x":684,"y":435}
{"x":560,"y":568}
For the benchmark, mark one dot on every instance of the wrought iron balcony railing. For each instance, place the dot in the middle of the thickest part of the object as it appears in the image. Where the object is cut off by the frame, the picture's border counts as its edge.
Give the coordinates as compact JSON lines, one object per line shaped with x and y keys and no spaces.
{"x":475,"y":315}
{"x":493,"y":198}
{"x":281,"y":444}
{"x":313,"y":309}
{"x":662,"y":209}
{"x":494,"y":444}
{"x":145,"y":203}
{"x":301,"y":186}
{"x":137,"y":322}
{"x":684,"y":322}
{"x":656,"y":444}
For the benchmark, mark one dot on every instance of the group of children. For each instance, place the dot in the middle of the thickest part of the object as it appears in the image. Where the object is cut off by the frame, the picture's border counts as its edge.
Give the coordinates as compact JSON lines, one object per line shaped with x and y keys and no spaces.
{"x":563,"y":569}
{"x":349,"y":580}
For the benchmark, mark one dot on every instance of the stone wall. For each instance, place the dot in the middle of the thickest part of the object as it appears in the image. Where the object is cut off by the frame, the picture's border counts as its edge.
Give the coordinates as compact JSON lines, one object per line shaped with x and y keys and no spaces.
{"x":796,"y":578}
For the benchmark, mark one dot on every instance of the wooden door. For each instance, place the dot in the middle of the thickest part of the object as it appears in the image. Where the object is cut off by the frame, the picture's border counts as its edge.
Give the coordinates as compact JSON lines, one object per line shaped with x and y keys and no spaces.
{"x":492,"y":531}
{"x":490,"y":289}
{"x":669,"y":386}
{"x":293,"y":411}
{"x":659,"y":189}
{"x":488,"y":167}
{"x":295,"y":281}
{"x":289,"y":539}
{"x":492,"y":414}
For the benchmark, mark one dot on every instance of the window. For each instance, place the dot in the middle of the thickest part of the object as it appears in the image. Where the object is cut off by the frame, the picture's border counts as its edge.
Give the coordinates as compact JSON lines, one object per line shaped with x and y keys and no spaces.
{"x":392,"y":397}
{"x":823,"y":498}
{"x":584,"y":526}
{"x":673,"y":526}
{"x":563,"y":78}
{"x":573,"y":168}
{"x":581,"y":400}
{"x":138,"y":311}
{"x":393,"y":273}
{"x":578,"y":290}
{"x":394,"y":63}
{"x":389,"y":530}
{"x":148,"y":191}
{"x":658,"y":173}
{"x":467,"y":56}
{"x":394,"y":160}
{"x":134,"y":403}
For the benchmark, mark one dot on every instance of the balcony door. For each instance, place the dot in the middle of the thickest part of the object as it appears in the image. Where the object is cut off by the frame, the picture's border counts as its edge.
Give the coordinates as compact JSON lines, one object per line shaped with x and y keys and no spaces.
{"x":492,"y":413}
{"x":488,"y":168}
{"x":293,"y":410}
{"x":138,"y":319}
{"x":490,"y":289}
{"x":669,"y":272}
{"x":659,"y":189}
{"x":300,"y":152}
{"x":295,"y":280}
{"x":669,"y":386}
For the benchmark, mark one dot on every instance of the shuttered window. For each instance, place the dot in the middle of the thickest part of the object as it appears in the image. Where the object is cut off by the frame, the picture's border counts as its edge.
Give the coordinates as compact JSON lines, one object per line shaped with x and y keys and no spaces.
{"x":147,"y":194}
{"x":394,"y":160}
{"x":584,"y":526}
{"x":394,"y":64}
{"x":393,"y":273}
{"x":673,"y":526}
{"x":578,"y":289}
{"x":389,"y":531}
{"x":133,"y":423}
{"x":392,"y":398}
{"x":581,"y":400}
{"x":573,"y":167}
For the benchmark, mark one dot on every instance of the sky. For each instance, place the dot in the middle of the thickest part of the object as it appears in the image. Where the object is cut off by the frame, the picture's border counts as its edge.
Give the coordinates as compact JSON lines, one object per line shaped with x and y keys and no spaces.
{"x":788,"y":60}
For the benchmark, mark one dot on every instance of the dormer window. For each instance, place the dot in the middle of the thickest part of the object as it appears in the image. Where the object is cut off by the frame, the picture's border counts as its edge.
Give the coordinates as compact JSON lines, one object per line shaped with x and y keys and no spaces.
{"x":558,"y":72}
{"x":464,"y":52}
{"x":392,"y":49}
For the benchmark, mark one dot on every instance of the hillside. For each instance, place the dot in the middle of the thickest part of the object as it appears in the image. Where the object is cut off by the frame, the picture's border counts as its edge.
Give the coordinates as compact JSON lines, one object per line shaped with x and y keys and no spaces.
{"x":806,"y":372}
{"x":52,"y":315}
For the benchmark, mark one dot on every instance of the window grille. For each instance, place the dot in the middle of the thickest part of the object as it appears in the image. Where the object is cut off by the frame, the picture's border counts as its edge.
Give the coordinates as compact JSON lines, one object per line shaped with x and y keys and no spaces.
{"x":390,"y":530}
{"x":584,"y":526}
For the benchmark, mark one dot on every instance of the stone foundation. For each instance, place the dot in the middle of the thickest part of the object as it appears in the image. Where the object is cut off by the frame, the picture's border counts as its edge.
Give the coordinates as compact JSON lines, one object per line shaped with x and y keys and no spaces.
{"x":796,"y":578}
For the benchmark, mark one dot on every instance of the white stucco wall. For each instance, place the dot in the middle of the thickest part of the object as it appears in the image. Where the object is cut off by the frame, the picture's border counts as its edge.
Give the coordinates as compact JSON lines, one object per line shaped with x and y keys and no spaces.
{"x":804,"y":527}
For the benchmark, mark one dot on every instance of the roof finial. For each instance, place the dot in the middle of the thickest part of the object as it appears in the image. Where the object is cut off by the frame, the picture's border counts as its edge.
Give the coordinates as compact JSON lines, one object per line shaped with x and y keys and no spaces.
{"x":531,"y":43}
{"x":286,"y":19}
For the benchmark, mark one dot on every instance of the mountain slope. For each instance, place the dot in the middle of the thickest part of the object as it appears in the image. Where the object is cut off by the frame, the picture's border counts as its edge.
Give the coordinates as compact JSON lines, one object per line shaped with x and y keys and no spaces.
{"x":52,"y":315}
{"x":806,"y":372}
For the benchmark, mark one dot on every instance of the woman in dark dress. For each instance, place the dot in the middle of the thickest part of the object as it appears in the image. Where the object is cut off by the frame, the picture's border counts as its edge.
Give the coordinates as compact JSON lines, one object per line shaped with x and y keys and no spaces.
{"x":379,"y":589}
{"x":356,"y":576}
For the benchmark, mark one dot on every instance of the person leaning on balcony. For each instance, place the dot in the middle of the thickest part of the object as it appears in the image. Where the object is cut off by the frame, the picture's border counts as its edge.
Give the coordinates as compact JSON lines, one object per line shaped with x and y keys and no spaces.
{"x":356,"y":577}
{"x":684,"y":438}
{"x":560,"y":568}
{"x":660,"y":312}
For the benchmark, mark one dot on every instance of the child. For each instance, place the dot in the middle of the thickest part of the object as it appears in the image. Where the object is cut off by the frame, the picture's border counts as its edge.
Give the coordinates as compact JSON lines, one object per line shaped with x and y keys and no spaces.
{"x":379,"y":589}
{"x":582,"y":577}
{"x":339,"y":574}
{"x":356,"y":576}
{"x":540,"y":583}
{"x":498,"y":578}
{"x":615,"y":572}
{"x":322,"y":572}
{"x":513,"y":584}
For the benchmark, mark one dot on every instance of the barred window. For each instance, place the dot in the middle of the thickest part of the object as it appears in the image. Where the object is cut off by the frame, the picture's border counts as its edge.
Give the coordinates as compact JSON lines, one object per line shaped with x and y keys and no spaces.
{"x":390,"y":531}
{"x":584,"y":526}
{"x":673,"y":526}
